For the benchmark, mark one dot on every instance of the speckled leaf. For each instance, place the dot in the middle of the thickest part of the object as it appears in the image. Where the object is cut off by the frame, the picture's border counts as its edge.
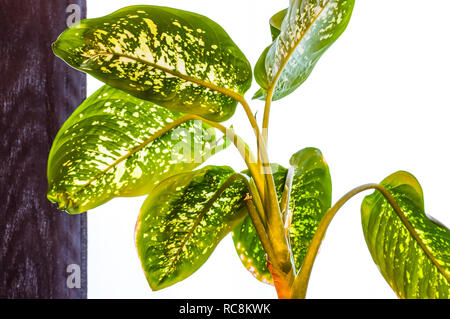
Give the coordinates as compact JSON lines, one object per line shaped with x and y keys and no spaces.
{"x":310,"y":199}
{"x":309,"y":28}
{"x":184,"y":219}
{"x":163,"y":55}
{"x":246,"y":241}
{"x":112,"y":146}
{"x":413,"y":256}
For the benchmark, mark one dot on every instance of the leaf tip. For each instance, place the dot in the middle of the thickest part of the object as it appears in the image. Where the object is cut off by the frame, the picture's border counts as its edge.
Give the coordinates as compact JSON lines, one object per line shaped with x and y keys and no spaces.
{"x":305,"y":154}
{"x":260,"y":95}
{"x":64,"y":202}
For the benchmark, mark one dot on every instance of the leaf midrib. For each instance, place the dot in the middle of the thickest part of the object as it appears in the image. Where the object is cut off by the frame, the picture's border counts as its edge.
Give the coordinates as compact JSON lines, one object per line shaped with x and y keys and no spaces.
{"x":422,"y":245}
{"x":202,"y":214}
{"x":232,"y":94}
{"x":136,"y":149}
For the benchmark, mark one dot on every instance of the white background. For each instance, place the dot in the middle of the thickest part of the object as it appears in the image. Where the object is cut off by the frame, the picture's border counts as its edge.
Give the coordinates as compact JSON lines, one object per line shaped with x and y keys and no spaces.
{"x":377,"y":102}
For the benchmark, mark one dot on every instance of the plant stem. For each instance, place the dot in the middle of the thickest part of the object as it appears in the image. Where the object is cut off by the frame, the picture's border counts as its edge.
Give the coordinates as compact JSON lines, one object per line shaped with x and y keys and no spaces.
{"x":282,"y":279}
{"x":267,"y":114}
{"x":281,"y":265}
{"x":269,"y":196}
{"x":300,"y":285}
{"x":260,"y":229}
{"x":282,"y":282}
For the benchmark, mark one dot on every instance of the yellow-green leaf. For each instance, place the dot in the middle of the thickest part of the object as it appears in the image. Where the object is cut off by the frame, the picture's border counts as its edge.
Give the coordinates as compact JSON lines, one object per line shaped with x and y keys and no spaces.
{"x":308,"y":29}
{"x":275,"y":23}
{"x":413,"y":254}
{"x":117,"y":145}
{"x":184,"y":219}
{"x":174,"y":58}
{"x":310,"y":199}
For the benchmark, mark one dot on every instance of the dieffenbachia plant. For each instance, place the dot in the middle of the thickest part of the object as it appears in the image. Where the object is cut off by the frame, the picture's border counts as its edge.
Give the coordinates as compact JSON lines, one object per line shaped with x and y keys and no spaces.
{"x":171,"y":77}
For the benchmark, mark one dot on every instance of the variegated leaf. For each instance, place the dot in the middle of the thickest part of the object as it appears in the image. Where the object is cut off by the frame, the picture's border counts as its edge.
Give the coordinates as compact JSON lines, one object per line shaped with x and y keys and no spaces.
{"x":310,"y":199}
{"x":413,"y":255}
{"x":184,"y":219}
{"x":309,"y":28}
{"x":117,"y":145}
{"x":174,"y":58}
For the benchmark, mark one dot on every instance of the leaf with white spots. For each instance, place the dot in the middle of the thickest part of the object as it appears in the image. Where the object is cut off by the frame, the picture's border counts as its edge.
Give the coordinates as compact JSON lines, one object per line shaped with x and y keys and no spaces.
{"x":309,"y":199}
{"x":184,"y":219}
{"x":176,"y":59}
{"x":117,"y":145}
{"x":413,"y":254}
{"x":309,"y":28}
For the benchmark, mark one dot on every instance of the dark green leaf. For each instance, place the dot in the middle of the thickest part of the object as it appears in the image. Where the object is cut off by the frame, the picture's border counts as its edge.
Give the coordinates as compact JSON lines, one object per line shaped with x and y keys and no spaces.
{"x":163,"y":55}
{"x":309,"y":28}
{"x":184,"y":219}
{"x":309,"y":200}
{"x":112,"y":146}
{"x":413,"y":256}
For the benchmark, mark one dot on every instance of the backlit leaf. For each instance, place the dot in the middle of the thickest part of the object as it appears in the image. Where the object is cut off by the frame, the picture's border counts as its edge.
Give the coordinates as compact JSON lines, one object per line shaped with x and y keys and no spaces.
{"x":275,"y":23}
{"x":184,"y":219}
{"x":309,"y":200}
{"x":163,"y":55}
{"x":112,"y":146}
{"x":413,"y":256}
{"x":309,"y":28}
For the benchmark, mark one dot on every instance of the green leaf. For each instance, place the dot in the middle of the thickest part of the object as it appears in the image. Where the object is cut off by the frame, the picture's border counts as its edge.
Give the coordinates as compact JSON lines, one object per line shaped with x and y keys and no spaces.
{"x":275,"y":23}
{"x":412,"y":255}
{"x":163,"y":55}
{"x":184,"y":219}
{"x":309,"y":28}
{"x":309,"y":200}
{"x":115,"y":145}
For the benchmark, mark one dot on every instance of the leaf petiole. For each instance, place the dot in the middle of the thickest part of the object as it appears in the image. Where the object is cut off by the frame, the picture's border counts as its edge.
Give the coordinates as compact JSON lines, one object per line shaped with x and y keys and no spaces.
{"x":300,"y":285}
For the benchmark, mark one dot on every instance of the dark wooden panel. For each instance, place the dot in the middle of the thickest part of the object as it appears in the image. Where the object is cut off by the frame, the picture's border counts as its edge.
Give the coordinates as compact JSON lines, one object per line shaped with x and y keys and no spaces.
{"x":37,"y":93}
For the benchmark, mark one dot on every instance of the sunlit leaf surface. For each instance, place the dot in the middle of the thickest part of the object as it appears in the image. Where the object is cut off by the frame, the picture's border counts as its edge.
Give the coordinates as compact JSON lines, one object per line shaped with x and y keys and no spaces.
{"x":309,"y":28}
{"x":184,"y":219}
{"x":275,"y":23}
{"x":111,"y":146}
{"x":414,"y":260}
{"x":310,"y":198}
{"x":163,"y":55}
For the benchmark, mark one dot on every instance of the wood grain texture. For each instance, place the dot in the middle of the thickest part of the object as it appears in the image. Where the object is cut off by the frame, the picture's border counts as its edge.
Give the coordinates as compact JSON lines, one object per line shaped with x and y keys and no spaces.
{"x":37,"y":93}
